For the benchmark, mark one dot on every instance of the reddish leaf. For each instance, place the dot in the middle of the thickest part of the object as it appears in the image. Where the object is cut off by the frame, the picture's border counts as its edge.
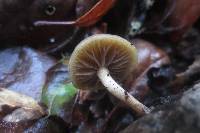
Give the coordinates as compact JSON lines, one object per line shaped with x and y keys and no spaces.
{"x":185,"y":14}
{"x":83,"y":6}
{"x":88,"y":19}
{"x":93,"y":15}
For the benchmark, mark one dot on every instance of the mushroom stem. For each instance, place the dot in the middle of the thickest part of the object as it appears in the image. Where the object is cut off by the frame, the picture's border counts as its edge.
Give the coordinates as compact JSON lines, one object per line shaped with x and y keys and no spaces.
{"x":120,"y":93}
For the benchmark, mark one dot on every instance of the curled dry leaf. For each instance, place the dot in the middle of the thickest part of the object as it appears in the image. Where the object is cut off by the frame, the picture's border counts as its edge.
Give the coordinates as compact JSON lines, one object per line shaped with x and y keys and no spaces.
{"x":93,"y":15}
{"x":21,"y":107}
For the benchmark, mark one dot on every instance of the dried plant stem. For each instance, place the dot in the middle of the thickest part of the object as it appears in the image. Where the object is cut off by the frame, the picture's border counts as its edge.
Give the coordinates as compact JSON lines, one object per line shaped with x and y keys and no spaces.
{"x":120,"y":93}
{"x":57,"y":23}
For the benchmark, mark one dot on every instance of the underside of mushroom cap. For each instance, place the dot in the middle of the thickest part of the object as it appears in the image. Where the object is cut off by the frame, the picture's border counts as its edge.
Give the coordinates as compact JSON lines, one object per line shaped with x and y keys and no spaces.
{"x":97,"y":51}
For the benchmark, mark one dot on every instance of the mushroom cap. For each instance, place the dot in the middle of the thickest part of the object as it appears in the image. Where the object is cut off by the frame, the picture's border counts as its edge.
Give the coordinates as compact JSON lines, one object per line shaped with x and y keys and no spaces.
{"x":97,"y":51}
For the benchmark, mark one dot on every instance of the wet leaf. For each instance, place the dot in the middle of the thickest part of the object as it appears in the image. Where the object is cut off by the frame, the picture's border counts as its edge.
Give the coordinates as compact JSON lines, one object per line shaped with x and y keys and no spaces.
{"x":56,"y":98}
{"x":58,"y":93}
{"x":23,"y":70}
{"x":149,"y":57}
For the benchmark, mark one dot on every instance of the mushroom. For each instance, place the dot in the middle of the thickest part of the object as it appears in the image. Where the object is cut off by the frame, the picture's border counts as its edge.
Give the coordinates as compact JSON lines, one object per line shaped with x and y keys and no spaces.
{"x":98,"y":60}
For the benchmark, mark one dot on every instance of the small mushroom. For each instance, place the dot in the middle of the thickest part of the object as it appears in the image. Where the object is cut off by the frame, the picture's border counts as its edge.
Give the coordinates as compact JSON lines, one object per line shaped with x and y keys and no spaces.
{"x":100,"y":59}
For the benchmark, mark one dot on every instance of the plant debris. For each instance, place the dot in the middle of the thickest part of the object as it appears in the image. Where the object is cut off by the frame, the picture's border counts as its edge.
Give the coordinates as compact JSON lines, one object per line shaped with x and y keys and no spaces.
{"x":37,"y":40}
{"x":15,"y":107}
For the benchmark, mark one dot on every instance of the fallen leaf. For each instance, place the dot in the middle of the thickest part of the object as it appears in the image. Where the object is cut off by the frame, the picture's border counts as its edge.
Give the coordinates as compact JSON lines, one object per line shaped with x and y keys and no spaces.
{"x":149,"y":57}
{"x":83,"y":6}
{"x":57,"y":98}
{"x":23,"y":70}
{"x":88,"y":19}
{"x":21,"y":107}
{"x":93,"y":15}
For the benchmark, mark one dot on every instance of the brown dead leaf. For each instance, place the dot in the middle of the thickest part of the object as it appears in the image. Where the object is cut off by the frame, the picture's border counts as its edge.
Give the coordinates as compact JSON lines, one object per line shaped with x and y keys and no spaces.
{"x":88,"y":19}
{"x":94,"y":14}
{"x":21,"y":107}
{"x":149,"y":57}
